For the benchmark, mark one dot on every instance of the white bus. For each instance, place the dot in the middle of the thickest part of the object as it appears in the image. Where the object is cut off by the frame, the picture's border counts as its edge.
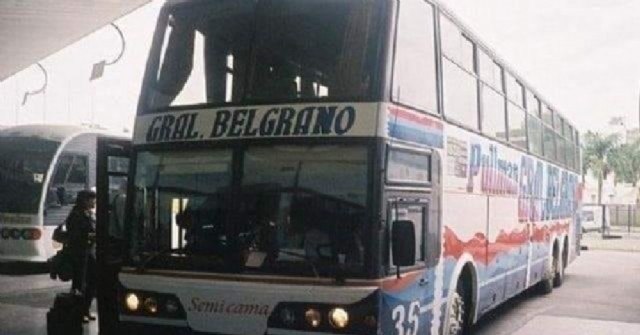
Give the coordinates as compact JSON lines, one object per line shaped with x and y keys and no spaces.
{"x":338,"y":167}
{"x":42,"y":167}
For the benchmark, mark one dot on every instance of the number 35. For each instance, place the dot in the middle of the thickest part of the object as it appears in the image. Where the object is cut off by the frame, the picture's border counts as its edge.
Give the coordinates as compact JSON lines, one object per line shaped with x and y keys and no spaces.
{"x":399,"y":314}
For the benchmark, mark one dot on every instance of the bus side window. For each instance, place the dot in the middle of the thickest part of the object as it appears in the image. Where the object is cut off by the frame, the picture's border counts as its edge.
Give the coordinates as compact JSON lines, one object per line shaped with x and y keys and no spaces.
{"x":79,"y":171}
{"x":71,"y":175}
{"x":414,"y":77}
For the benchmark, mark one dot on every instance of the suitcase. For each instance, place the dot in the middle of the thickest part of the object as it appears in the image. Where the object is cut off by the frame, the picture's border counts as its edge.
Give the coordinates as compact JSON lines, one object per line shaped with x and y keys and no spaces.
{"x":65,"y":317}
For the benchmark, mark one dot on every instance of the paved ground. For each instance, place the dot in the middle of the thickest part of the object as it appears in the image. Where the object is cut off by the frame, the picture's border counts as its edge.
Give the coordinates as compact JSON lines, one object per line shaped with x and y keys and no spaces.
{"x":617,"y":239}
{"x":601,"y":295}
{"x":25,"y":297}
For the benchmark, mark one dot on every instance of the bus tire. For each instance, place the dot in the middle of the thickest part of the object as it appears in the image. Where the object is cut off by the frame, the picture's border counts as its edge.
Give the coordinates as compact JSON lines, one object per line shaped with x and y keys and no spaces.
{"x":560,"y":266}
{"x":546,"y":285}
{"x":459,"y":310}
{"x":558,"y":276}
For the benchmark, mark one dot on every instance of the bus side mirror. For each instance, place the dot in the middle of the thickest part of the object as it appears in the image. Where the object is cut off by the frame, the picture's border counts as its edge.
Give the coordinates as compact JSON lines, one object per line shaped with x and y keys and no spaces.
{"x":403,"y":243}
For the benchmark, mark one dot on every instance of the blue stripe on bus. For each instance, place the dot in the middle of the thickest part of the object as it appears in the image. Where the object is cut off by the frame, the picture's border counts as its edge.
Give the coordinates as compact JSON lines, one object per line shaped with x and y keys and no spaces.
{"x":407,"y":133}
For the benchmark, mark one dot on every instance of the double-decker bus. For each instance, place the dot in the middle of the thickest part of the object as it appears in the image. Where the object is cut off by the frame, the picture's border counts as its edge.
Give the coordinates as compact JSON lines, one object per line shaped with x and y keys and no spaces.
{"x":338,"y":167}
{"x":42,"y":167}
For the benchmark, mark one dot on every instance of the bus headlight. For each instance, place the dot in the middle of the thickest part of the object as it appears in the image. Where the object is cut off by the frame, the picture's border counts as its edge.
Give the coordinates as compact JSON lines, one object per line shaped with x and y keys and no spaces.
{"x":132,"y":302}
{"x":313,"y":317}
{"x":151,"y":305}
{"x":339,"y":318}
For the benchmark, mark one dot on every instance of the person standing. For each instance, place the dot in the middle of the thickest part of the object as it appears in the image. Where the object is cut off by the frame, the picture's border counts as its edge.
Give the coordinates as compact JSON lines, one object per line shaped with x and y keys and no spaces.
{"x":81,"y":227}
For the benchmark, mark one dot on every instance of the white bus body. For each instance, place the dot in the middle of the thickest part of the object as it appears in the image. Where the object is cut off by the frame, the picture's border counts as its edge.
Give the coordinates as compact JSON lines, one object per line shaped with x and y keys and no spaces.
{"x":41,"y":170}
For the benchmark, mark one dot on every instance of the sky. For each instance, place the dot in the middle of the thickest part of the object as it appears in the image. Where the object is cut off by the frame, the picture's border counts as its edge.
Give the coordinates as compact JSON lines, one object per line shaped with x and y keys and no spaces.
{"x":583,"y":56}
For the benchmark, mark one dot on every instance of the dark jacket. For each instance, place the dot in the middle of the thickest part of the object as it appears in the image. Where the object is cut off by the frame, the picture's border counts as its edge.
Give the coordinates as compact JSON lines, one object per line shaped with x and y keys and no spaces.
{"x":80,"y":224}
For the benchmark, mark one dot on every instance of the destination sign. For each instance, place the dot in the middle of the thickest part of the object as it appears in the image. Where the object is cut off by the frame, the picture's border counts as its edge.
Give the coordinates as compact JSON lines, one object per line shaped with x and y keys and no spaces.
{"x":329,"y":120}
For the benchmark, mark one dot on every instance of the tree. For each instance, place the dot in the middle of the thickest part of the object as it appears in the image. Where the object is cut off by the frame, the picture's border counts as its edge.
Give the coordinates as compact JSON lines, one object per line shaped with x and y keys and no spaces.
{"x":597,"y":149}
{"x":625,"y":162}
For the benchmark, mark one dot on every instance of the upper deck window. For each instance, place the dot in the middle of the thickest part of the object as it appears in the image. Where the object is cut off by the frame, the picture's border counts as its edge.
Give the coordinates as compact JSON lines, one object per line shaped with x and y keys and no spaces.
{"x":414,"y":78}
{"x":515,"y":91}
{"x":455,"y":45}
{"x":460,"y":86}
{"x":547,"y":115}
{"x":245,"y":52}
{"x":533,"y":104}
{"x":490,"y":71}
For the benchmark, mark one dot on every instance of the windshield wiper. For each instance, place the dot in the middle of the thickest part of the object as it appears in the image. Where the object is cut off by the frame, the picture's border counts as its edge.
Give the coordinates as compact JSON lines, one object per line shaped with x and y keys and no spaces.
{"x":305,"y":258}
{"x":143,"y":264}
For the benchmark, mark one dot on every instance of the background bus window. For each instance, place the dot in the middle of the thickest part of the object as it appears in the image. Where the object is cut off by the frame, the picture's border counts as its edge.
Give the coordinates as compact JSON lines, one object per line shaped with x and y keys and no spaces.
{"x":24,"y":165}
{"x":62,"y":169}
{"x":414,"y":77}
{"x":71,"y":176}
{"x":78,"y":173}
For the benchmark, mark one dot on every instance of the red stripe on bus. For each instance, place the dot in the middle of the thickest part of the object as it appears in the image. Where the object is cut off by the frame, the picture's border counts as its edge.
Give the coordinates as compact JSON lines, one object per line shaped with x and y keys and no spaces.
{"x":485,"y":252}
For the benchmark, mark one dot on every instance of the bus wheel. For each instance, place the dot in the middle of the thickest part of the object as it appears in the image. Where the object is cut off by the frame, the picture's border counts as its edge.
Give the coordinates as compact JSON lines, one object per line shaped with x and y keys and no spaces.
{"x":558,"y":275}
{"x":458,"y":312}
{"x":546,"y":285}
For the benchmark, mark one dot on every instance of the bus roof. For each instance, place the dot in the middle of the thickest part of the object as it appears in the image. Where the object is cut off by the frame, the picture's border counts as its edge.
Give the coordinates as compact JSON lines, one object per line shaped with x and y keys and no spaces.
{"x":53,"y":132}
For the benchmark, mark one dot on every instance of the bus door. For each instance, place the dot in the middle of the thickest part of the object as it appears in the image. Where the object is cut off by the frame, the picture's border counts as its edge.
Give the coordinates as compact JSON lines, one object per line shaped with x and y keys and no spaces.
{"x":112,"y":174}
{"x":417,"y":211}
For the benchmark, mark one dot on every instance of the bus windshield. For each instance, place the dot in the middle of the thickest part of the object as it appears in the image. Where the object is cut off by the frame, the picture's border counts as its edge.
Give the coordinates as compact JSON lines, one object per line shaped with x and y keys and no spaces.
{"x":265,"y":51}
{"x":23,"y":168}
{"x":294,"y":210}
